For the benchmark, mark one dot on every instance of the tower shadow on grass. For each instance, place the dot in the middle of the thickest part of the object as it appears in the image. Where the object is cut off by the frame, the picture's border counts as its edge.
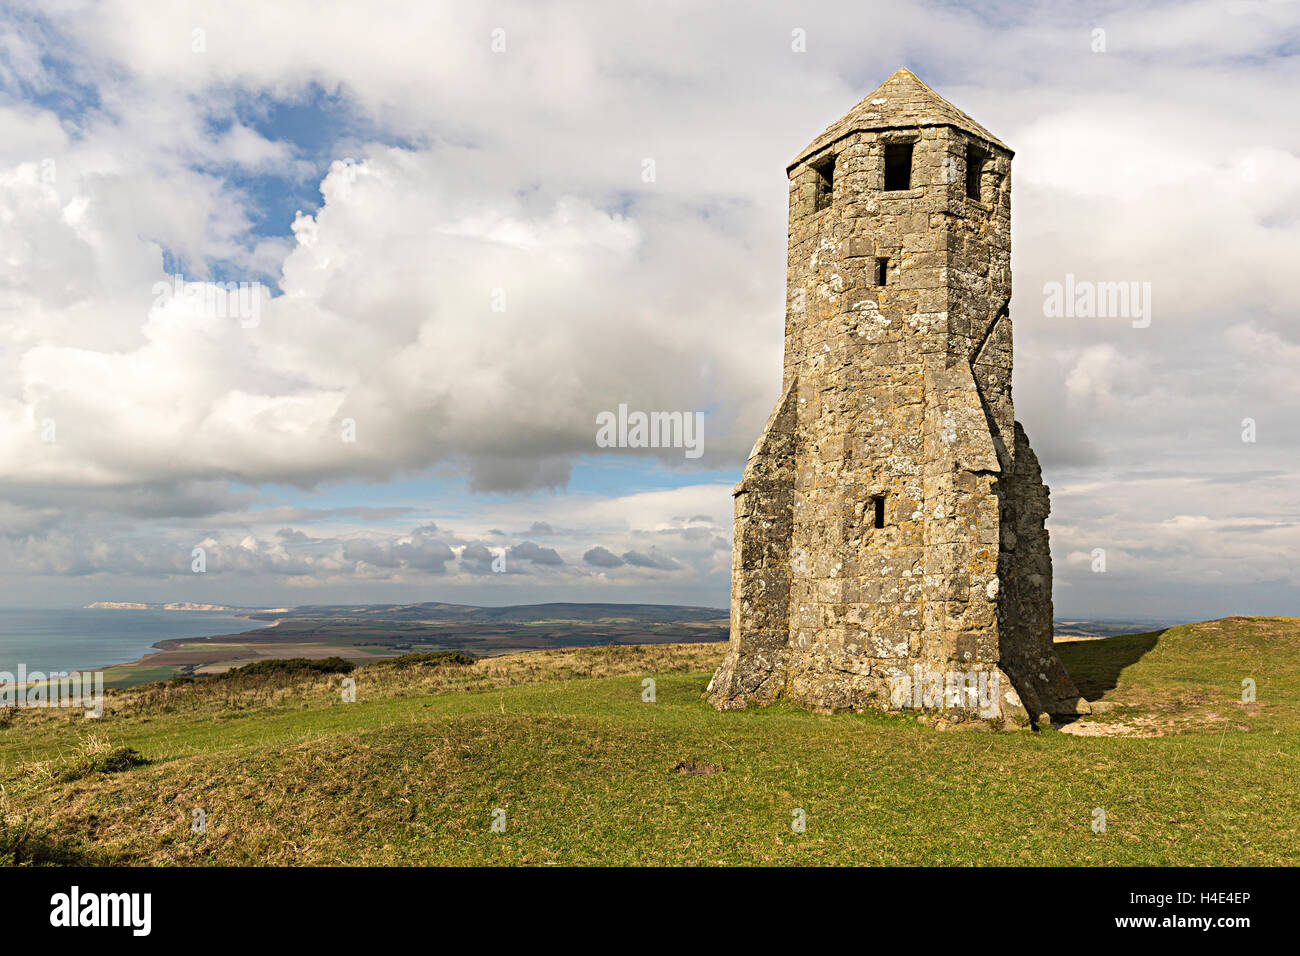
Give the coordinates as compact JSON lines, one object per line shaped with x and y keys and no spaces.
{"x":1096,"y":665}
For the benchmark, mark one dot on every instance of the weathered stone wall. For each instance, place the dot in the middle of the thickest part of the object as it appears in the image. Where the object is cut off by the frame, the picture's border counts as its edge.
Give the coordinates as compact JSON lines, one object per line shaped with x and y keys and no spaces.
{"x":968,"y":414}
{"x":900,"y":390}
{"x":1025,"y":605}
{"x":761,"y":568}
{"x":857,"y":604}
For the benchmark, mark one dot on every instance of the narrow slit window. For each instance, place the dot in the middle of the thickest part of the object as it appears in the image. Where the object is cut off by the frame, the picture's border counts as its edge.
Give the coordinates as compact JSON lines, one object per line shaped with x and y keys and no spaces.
{"x":898,"y":166}
{"x":878,"y":510}
{"x":882,"y":271}
{"x":975,"y":160}
{"x":825,"y":173}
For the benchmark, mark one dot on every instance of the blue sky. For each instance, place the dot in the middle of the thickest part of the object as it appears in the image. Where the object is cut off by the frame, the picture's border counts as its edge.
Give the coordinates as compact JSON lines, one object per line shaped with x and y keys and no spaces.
{"x":459,"y":254}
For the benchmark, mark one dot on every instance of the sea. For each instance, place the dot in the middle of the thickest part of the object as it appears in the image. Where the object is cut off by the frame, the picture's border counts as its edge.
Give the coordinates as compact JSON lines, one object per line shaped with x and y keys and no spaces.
{"x":93,"y":638}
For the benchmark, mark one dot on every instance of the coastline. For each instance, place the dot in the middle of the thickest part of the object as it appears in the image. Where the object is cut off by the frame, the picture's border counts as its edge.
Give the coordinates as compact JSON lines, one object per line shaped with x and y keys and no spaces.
{"x":121,"y":641}
{"x":362,"y":639}
{"x":165,"y":644}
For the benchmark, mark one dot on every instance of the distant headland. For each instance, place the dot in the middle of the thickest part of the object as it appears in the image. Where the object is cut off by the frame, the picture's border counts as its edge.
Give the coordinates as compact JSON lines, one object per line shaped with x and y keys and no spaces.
{"x":179,"y":606}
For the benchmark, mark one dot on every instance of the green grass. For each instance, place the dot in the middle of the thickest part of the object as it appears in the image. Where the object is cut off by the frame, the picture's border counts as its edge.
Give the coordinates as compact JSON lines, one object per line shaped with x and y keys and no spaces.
{"x":128,"y":675}
{"x":586,"y":771}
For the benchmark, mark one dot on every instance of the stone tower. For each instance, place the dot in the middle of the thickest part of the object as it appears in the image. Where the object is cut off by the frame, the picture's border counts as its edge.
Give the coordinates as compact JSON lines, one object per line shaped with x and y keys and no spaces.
{"x":889,"y":525}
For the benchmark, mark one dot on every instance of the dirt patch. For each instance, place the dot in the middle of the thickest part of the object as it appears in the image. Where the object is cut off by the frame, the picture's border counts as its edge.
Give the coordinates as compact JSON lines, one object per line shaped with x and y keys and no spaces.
{"x":1117,"y":728}
{"x":1142,"y":726}
{"x":697,"y":768}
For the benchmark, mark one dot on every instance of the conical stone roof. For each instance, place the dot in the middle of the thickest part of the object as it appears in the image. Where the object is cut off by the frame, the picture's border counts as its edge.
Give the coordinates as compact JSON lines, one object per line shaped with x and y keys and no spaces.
{"x":901,"y":102}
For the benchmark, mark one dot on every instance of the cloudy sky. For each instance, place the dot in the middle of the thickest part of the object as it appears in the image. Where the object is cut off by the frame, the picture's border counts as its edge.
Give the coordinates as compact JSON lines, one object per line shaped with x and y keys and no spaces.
{"x":462,"y":259}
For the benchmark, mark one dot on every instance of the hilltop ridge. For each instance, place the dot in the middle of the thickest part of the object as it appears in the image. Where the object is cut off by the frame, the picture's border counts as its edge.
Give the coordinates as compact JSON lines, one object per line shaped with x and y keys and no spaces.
{"x":590,"y":770}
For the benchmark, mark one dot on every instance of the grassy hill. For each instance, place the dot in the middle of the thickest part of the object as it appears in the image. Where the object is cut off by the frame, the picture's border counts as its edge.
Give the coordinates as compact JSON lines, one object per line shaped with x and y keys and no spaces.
{"x":589,"y":773}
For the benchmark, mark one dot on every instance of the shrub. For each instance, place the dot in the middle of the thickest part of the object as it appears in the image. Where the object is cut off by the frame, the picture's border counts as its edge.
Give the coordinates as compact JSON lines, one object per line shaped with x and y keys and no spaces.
{"x":101,"y":760}
{"x":291,"y":666}
{"x":428,"y":659}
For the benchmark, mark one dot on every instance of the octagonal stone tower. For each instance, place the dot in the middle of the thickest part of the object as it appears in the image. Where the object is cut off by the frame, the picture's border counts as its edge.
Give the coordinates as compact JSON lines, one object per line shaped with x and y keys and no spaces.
{"x":889,"y":526}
